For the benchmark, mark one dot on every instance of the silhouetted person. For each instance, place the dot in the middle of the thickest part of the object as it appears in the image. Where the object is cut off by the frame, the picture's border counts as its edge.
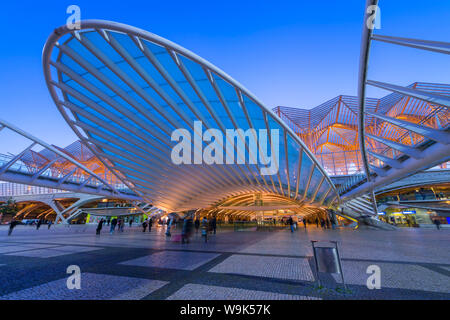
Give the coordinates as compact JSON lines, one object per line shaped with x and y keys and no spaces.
{"x":12,"y":225}
{"x":186,"y":231}
{"x":150,"y":224}
{"x":131,"y":222}
{"x":170,"y":221}
{"x":214,"y":224}
{"x":99,"y":226}
{"x":113,"y":225}
{"x":121,"y":224}
{"x":50,"y":224}
{"x":291,"y":223}
{"x":204,"y":224}
{"x":304,"y":223}
{"x":38,"y":224}
{"x":197,"y":224}
{"x":437,"y":222}
{"x":317,"y":222}
{"x":144,"y":226}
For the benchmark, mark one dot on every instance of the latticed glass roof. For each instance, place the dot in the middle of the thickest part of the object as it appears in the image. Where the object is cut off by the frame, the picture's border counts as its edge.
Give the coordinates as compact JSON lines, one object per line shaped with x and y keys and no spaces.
{"x":124,"y":91}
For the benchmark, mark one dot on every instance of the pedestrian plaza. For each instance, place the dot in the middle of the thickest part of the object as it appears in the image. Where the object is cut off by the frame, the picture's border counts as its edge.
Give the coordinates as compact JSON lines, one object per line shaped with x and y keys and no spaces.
{"x":235,"y":265}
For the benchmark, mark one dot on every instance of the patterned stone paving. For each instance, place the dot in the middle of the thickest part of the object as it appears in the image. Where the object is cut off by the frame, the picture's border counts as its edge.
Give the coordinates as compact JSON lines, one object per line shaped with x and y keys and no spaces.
{"x":173,"y":260}
{"x":396,"y":275}
{"x":270,"y":267}
{"x":204,"y":292}
{"x":7,"y":249}
{"x":52,"y":252}
{"x":93,"y":287}
{"x":415,"y":264}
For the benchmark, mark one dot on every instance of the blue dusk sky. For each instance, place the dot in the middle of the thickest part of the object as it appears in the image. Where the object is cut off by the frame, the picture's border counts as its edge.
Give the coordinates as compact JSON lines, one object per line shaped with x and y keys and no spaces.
{"x":291,"y":53}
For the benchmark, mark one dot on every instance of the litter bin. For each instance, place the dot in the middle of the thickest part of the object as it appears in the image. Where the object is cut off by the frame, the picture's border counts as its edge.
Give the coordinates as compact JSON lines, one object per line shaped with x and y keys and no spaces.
{"x":327,"y":259}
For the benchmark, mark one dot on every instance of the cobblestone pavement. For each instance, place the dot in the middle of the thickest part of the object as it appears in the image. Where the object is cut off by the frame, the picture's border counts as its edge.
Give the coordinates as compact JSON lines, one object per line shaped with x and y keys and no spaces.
{"x":414,"y":264}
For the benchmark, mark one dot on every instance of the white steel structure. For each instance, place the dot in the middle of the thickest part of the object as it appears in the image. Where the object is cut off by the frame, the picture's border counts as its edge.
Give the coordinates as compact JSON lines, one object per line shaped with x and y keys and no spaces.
{"x":50,"y":174}
{"x":398,"y":160}
{"x":125,"y":90}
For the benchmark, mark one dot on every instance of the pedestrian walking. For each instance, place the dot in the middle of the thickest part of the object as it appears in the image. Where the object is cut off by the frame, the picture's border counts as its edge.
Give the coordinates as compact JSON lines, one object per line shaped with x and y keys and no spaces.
{"x":304,"y":223}
{"x":150,"y":224}
{"x":291,"y":223}
{"x":205,"y":226}
{"x":38,"y":224}
{"x":214,"y":224}
{"x":187,"y":230}
{"x":113,"y":225}
{"x":437,"y":222}
{"x":144,"y":226}
{"x":130,"y":222}
{"x":170,"y":221}
{"x":197,"y":224}
{"x":50,"y":222}
{"x":99,"y":226}
{"x":12,"y":225}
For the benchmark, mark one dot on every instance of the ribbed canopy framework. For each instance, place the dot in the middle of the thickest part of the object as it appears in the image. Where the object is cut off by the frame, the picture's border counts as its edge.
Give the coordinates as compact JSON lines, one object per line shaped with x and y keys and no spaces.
{"x":330,"y":130}
{"x":124,"y":91}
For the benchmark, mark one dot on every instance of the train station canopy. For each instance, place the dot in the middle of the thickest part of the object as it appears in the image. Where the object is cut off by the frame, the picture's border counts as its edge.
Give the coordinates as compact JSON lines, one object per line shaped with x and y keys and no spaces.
{"x":125,"y":91}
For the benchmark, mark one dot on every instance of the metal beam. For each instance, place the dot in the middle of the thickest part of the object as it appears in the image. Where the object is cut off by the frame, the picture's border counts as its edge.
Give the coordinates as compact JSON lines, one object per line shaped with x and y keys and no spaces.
{"x":389,"y":161}
{"x":410,"y":151}
{"x":414,"y":93}
{"x":425,"y":131}
{"x":435,"y":46}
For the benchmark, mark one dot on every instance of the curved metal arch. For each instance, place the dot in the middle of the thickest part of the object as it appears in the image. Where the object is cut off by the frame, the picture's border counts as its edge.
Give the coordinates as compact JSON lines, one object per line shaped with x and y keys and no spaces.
{"x":362,"y":78}
{"x":415,"y":158}
{"x":92,"y":183}
{"x":173,"y":49}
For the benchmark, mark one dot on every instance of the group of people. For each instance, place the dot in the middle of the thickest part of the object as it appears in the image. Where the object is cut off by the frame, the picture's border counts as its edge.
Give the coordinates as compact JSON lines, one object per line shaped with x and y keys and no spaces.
{"x":15,"y":223}
{"x":147,"y":223}
{"x":325,"y":223}
{"x":207,"y":226}
{"x":119,"y":223}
